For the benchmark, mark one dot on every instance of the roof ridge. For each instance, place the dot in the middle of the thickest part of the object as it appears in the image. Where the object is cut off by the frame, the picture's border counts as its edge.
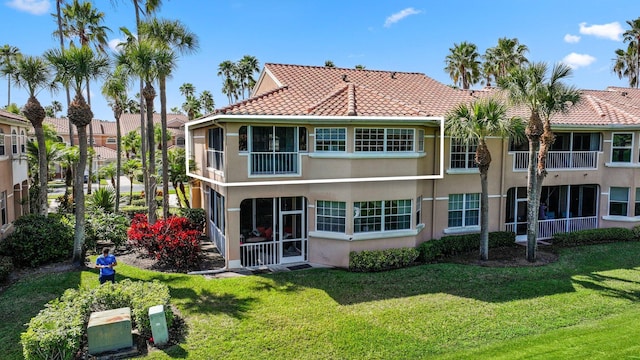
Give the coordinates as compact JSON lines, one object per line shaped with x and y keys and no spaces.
{"x":251,"y":99}
{"x":350,"y":69}
{"x":351,"y":103}
{"x":595,"y":105}
{"x":340,"y":89}
{"x":615,"y":108}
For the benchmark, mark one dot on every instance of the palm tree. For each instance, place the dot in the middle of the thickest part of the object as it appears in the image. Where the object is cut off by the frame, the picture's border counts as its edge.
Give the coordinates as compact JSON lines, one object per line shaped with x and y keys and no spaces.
{"x":543,"y":97}
{"x":509,"y":53}
{"x":73,"y":68}
{"x":625,"y":64}
{"x":129,"y":169}
{"x":472,"y":124}
{"x":246,"y":67}
{"x":171,"y":37}
{"x":463,"y":65}
{"x":68,"y":161}
{"x":187,"y":90}
{"x":206,"y":101}
{"x":115,"y":89}
{"x":53,"y":153}
{"x":329,"y":64}
{"x":192,"y":107}
{"x":131,"y":143}
{"x":360,"y":67}
{"x":8,"y":56}
{"x":633,"y":37}
{"x":227,"y":69}
{"x":109,"y":172}
{"x":33,"y":74}
{"x":178,"y":174}
{"x":56,"y":106}
{"x":60,"y":34}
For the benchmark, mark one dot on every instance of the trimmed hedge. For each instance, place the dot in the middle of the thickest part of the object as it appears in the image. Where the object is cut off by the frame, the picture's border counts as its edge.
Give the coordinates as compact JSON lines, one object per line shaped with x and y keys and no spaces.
{"x":39,"y":240}
{"x":381,"y":260}
{"x":593,"y":236}
{"x":197,"y":217}
{"x":57,"y":331}
{"x":457,"y":244}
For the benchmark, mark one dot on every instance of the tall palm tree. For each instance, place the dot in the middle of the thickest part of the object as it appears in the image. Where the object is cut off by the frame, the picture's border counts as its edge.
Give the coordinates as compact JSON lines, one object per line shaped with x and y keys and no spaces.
{"x":34,"y":74}
{"x":187,"y":90}
{"x":463,"y":65}
{"x":115,"y":89}
{"x":543,"y":96}
{"x":171,"y":37}
{"x":473,"y":124}
{"x":178,"y":174}
{"x":509,"y":53}
{"x":227,"y":69}
{"x":206,"y":102}
{"x":246,"y":67}
{"x":58,"y":32}
{"x":82,"y":21}
{"x":8,"y":56}
{"x":74,"y":67}
{"x":129,"y":169}
{"x":68,"y":161}
{"x":633,"y":37}
{"x":56,"y":106}
{"x":625,"y":64}
{"x":131,"y":143}
{"x":192,"y":107}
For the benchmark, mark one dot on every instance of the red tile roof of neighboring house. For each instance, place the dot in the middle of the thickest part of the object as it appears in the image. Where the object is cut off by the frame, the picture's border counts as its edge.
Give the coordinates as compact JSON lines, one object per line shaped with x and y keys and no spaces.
{"x":323,"y":91}
{"x":15,"y":117}
{"x":128,"y":123}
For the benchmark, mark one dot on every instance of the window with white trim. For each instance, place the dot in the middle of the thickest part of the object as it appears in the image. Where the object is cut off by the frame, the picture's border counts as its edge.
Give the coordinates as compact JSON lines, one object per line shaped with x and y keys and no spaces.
{"x":637,"y":207}
{"x":419,"y":210}
{"x":3,"y":208}
{"x":464,"y":210}
{"x":420,"y":139}
{"x":376,"y":216}
{"x":621,"y":147}
{"x":215,"y":151}
{"x":463,"y":156}
{"x":331,"y":216}
{"x":111,"y":140}
{"x":618,"y":201}
{"x":384,"y":140}
{"x":331,"y":139}
{"x":217,"y":210}
{"x":2,"y":152}
{"x":23,"y":143}
{"x":14,"y":142}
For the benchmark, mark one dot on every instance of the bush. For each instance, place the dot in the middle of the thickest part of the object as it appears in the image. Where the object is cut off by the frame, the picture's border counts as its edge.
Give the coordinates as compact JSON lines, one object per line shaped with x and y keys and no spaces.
{"x":6,"y":267}
{"x":65,"y":204}
{"x":39,"y":240}
{"x":381,"y":260}
{"x":594,"y":236}
{"x":105,"y":227}
{"x":171,"y":241}
{"x":131,"y":211}
{"x":457,"y":244}
{"x":196,"y":217}
{"x":57,"y":331}
{"x":103,"y":199}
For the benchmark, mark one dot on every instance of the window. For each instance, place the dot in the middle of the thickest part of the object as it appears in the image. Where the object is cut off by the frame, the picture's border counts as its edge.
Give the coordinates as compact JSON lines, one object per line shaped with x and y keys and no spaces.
{"x":23,"y":141}
{"x":302,"y":139}
{"x":388,"y":215}
{"x":111,"y":140}
{"x":464,"y":210}
{"x":216,"y":210}
{"x":2,"y":153}
{"x":389,"y":140}
{"x":215,"y":153}
{"x":420,"y":140}
{"x":463,"y":156}
{"x":419,"y":210}
{"x":621,"y":147}
{"x":618,"y":201}
{"x":180,"y":141}
{"x":331,"y":139}
{"x":331,"y":216}
{"x":14,"y":142}
{"x":3,"y":207}
{"x":637,"y":207}
{"x":242,"y":139}
{"x":274,"y":150}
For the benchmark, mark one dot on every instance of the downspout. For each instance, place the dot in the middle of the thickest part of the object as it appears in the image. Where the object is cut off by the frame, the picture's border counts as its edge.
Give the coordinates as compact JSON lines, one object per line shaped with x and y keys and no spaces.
{"x":434,"y":185}
{"x":501,"y":224}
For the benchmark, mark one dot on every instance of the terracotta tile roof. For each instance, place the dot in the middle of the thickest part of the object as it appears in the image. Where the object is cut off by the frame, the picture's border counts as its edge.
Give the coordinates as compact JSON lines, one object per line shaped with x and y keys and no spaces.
{"x":14,"y":117}
{"x":316,"y":90}
{"x":105,"y":153}
{"x":128,"y":123}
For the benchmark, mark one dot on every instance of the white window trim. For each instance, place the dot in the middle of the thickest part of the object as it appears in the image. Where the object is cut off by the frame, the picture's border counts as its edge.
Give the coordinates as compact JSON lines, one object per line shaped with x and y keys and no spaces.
{"x":631,"y":147}
{"x":315,"y":141}
{"x":609,"y":202}
{"x":461,"y":170}
{"x":464,"y":227}
{"x":383,"y":204}
{"x":344,"y":218}
{"x":385,"y":140}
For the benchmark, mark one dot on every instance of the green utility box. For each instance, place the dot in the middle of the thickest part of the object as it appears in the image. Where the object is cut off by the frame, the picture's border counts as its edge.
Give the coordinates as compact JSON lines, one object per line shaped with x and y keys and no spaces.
{"x":158,"y":325}
{"x":109,"y":330}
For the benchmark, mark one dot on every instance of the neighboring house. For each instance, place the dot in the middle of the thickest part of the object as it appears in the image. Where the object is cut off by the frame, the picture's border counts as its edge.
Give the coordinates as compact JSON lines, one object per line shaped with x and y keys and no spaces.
{"x":14,"y":184}
{"x":104,"y":133}
{"x":322,"y":161}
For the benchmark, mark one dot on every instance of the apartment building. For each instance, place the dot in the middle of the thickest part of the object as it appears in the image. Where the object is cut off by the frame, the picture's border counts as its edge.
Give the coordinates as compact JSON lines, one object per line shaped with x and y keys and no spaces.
{"x":323,"y":161}
{"x":14,"y":184}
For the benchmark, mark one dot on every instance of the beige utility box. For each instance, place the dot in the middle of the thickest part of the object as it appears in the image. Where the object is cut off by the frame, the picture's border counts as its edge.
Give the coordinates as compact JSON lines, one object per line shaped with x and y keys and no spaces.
{"x":109,"y":330}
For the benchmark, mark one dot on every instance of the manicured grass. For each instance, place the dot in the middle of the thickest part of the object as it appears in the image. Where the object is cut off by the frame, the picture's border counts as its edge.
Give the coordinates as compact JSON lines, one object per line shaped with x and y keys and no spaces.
{"x":583,"y":306}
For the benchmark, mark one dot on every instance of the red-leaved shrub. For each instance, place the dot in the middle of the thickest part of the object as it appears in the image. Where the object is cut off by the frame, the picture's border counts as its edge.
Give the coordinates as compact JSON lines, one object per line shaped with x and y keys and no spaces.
{"x":172,"y":241}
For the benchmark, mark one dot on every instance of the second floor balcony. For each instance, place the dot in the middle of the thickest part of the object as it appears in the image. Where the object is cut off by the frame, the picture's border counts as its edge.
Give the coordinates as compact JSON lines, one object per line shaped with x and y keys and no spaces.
{"x":559,"y":160}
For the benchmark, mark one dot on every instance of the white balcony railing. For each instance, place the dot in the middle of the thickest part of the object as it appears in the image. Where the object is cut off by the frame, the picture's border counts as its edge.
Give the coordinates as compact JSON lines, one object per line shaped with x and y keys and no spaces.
{"x":548,"y":228}
{"x":259,"y":254}
{"x":273,"y":163}
{"x":559,"y":160}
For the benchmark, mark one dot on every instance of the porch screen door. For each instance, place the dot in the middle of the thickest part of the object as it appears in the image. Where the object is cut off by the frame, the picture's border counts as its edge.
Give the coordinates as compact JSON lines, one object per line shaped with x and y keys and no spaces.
{"x":292,"y":236}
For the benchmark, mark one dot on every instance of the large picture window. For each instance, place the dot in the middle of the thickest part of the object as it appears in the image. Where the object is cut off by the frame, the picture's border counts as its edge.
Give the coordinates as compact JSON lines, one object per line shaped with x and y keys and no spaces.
{"x":618,"y":201}
{"x":388,"y":215}
{"x":621,"y":147}
{"x":463,"y":156}
{"x":331,"y":216}
{"x":331,"y":139}
{"x":464,"y":210}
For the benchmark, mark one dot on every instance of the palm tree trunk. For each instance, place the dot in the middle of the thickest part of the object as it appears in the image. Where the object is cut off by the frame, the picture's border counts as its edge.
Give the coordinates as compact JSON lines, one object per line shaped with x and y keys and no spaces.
{"x":175,"y":188}
{"x":118,"y":160}
{"x":43,"y":206}
{"x":184,"y":195}
{"x":130,"y":190}
{"x":149,"y":95}
{"x":484,"y":215}
{"x":78,"y":197}
{"x":165,"y":155}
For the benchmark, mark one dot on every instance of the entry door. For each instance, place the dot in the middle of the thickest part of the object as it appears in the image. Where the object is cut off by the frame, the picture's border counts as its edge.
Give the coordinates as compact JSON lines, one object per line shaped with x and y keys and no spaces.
{"x":292,"y":236}
{"x":521,"y":219}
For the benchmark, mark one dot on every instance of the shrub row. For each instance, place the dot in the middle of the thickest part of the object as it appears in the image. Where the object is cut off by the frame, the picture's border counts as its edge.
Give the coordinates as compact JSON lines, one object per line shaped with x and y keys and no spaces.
{"x":39,"y":240}
{"x":57,"y":331}
{"x":456,"y":244}
{"x":196,"y":217}
{"x":6,"y":267}
{"x":380,"y":260}
{"x":594,"y":236}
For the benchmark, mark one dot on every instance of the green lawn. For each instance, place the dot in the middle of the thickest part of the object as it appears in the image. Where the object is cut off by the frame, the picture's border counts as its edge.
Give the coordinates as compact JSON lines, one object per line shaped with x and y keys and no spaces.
{"x":583,"y":306}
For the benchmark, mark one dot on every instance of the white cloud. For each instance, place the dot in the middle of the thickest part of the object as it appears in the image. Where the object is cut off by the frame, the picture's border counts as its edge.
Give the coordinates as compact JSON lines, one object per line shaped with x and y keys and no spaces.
{"x":572,"y":39}
{"x":400,"y":15}
{"x":113,"y":44}
{"x":610,"y":31}
{"x":35,"y":7}
{"x":578,"y":60}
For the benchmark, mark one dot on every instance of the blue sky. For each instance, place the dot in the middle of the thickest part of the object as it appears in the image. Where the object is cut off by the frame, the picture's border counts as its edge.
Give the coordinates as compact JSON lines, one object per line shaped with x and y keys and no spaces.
{"x":411,"y":36}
